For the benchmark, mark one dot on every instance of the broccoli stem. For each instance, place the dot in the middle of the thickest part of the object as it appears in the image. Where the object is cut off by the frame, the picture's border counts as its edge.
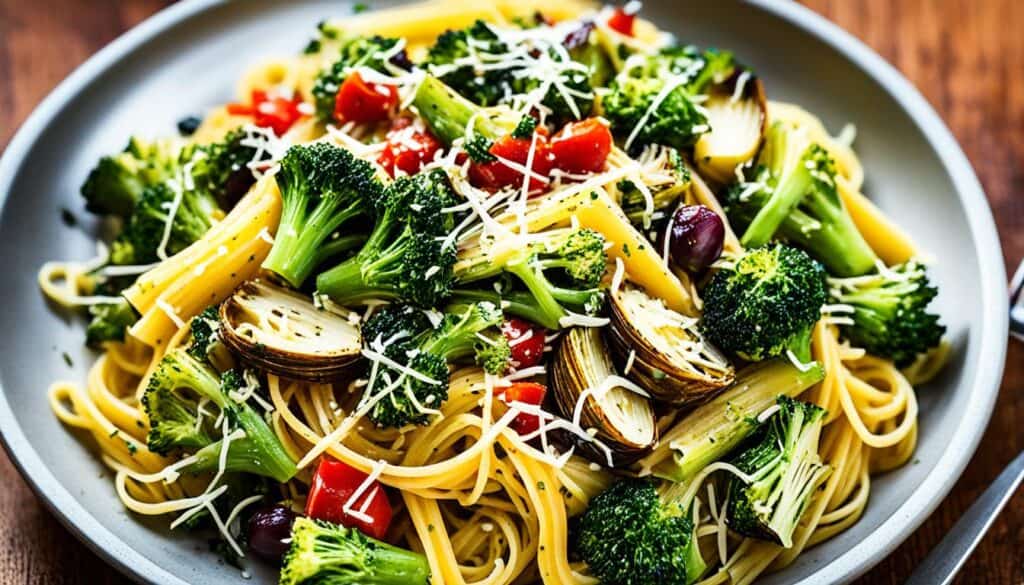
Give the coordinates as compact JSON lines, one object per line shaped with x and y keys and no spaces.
{"x":297,"y":252}
{"x":834,"y":240}
{"x":448,"y":113}
{"x":520,"y":304}
{"x":339,"y":246}
{"x":715,"y":428}
{"x":782,"y":202}
{"x":345,"y":284}
{"x":258,"y":452}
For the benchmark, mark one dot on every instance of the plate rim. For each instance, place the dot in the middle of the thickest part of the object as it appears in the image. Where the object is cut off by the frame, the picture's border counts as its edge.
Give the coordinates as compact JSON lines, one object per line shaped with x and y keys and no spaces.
{"x":853,"y":562}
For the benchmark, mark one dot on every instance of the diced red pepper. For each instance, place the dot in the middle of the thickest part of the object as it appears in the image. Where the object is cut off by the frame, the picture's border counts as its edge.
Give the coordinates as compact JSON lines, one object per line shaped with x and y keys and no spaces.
{"x":496,"y":175}
{"x":333,"y":485}
{"x":526,"y":341}
{"x":527,"y":393}
{"x":359,"y":101}
{"x":582,"y":147}
{"x":621,"y":21}
{"x":274,"y":111}
{"x":407,"y":149}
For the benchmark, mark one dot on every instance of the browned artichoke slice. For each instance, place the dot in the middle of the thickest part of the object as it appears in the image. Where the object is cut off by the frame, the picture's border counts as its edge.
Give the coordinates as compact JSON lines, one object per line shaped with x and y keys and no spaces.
{"x":281,"y":331}
{"x":588,"y":391}
{"x":662,"y":350}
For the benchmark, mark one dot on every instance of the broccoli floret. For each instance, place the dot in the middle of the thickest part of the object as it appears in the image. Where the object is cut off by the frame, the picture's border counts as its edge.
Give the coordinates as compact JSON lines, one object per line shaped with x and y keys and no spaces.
{"x":322,"y":553}
{"x":171,"y":400}
{"x":675,"y":120}
{"x":404,"y":335}
{"x":139,"y":242}
{"x":786,"y":470}
{"x":406,"y":256}
{"x":766,"y":305}
{"x":221,"y":169}
{"x":142,"y":163}
{"x":204,"y":329}
{"x":118,"y":181}
{"x":890,"y":316}
{"x":322,"y":187}
{"x":456,"y":56}
{"x":447,"y":60}
{"x":369,"y":52}
{"x":561,"y":270}
{"x":793,"y":195}
{"x":109,"y":322}
{"x":629,"y":536}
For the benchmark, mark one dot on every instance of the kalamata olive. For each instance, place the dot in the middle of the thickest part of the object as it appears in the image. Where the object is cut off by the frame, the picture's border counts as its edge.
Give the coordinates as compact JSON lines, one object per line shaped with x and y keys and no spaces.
{"x":270,"y":529}
{"x":696,"y":237}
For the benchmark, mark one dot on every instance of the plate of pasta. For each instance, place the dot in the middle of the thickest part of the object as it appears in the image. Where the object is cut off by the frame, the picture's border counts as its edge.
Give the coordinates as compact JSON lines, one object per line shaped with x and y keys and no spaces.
{"x":494,"y":292}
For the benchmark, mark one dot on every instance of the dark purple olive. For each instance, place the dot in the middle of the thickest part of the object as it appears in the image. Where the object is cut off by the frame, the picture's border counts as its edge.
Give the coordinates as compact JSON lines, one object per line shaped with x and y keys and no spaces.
{"x":270,"y":529}
{"x":696,"y":237}
{"x":579,"y":36}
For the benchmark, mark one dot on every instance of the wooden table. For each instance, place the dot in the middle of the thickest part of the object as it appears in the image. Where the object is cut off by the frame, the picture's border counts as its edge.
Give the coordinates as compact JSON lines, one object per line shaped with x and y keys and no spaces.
{"x":966,"y":57}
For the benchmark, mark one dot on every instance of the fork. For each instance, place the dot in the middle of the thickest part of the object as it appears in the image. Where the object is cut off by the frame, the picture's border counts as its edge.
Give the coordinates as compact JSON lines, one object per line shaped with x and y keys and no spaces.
{"x":941,"y":565}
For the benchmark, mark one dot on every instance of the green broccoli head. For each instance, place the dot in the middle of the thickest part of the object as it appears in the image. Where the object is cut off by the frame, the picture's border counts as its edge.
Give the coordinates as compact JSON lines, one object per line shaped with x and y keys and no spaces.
{"x":322,"y":187}
{"x":652,"y":100}
{"x":627,"y":536}
{"x":205,"y":328}
{"x":406,"y":256}
{"x":172,"y":397}
{"x":140,"y":241}
{"x":330,"y":554}
{"x":784,"y":462}
{"x":221,"y":169}
{"x":451,"y":59}
{"x":766,"y":305}
{"x":109,"y":322}
{"x":890,"y":312}
{"x":118,"y":180}
{"x":406,"y":336}
{"x":494,"y":355}
{"x":370,"y":52}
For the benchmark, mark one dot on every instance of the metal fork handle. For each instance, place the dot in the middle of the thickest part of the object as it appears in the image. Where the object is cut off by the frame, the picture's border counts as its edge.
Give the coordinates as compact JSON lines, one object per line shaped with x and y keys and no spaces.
{"x":942,"y":564}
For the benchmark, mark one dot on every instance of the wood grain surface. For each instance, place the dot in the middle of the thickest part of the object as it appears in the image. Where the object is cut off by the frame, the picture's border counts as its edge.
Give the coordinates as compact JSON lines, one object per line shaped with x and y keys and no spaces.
{"x":966,"y":56}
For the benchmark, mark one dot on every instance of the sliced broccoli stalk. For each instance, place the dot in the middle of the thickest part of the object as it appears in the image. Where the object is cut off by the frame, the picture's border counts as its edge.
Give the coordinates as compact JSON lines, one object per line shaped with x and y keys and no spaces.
{"x":109,"y":322}
{"x":326,"y":553}
{"x":368,"y":52}
{"x":766,"y":305}
{"x":322,"y":187}
{"x":712,"y":430}
{"x":561,"y":269}
{"x":118,"y":181}
{"x":786,"y":469}
{"x":171,"y":402}
{"x":628,"y":534}
{"x":890,"y":316}
{"x":448,"y":115}
{"x":652,"y":101}
{"x":793,"y":195}
{"x":406,"y":336}
{"x":405,"y":256}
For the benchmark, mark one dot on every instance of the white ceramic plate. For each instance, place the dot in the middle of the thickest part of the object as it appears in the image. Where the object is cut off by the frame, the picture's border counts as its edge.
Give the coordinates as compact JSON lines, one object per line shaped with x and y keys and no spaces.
{"x":189,"y":57}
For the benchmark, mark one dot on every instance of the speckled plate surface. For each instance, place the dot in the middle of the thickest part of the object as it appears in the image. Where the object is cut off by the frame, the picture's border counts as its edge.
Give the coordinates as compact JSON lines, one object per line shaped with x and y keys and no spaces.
{"x":189,"y":57}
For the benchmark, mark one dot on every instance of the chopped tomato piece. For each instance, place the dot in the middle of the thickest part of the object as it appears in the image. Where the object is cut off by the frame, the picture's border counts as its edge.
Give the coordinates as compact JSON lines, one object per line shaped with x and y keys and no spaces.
{"x":496,"y":175}
{"x":333,"y":485}
{"x":582,"y":147}
{"x":527,"y":393}
{"x":621,"y":21}
{"x":358,"y":101}
{"x":526,"y":341}
{"x":408,"y":149}
{"x":274,"y":111}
